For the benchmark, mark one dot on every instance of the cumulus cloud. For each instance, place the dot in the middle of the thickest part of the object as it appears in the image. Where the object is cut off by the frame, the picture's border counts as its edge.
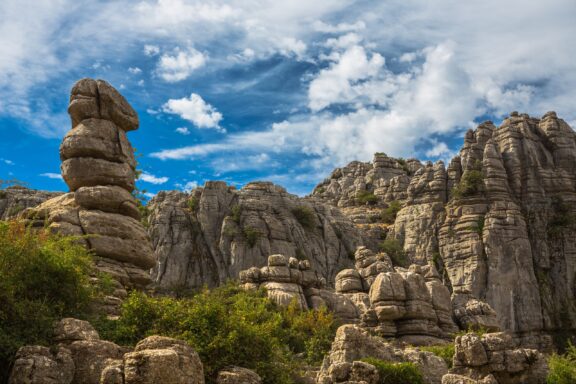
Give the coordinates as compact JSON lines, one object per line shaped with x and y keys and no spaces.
{"x":187,"y":186}
{"x":151,"y":50}
{"x":52,"y":175}
{"x":7,"y":161}
{"x":183,"y":131}
{"x":150,"y":178}
{"x":180,"y":65}
{"x":195,"y":110}
{"x":134,"y":70}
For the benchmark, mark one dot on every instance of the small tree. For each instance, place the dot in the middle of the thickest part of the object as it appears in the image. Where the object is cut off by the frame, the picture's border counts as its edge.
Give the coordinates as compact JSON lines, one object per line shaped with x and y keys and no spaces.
{"x":394,"y":249}
{"x":389,"y":213}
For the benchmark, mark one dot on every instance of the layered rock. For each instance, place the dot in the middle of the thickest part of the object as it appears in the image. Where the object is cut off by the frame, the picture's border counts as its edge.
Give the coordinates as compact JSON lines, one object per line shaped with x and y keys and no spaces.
{"x":15,"y":199}
{"x":352,"y":344}
{"x":78,"y":356}
{"x":238,"y":375}
{"x":99,"y":167}
{"x":210,"y":235}
{"x":493,"y":358}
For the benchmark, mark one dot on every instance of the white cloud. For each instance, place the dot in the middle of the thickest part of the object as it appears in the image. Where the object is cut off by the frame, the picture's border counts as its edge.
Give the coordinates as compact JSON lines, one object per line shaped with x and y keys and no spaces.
{"x":134,"y":70}
{"x":149,"y":178}
{"x":183,"y":131}
{"x":195,"y":110}
{"x":339,"y":28}
{"x":187,"y":186}
{"x":438,"y":150}
{"x":52,"y":175}
{"x":180,"y":65}
{"x":151,"y":50}
{"x":6,"y":161}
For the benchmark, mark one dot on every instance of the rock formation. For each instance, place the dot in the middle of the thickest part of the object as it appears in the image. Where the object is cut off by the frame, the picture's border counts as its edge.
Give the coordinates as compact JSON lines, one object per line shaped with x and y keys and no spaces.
{"x":99,"y":167}
{"x":238,"y":375}
{"x":213,"y":233}
{"x":492,"y":358}
{"x":78,"y":356}
{"x":498,"y":223}
{"x":15,"y":199}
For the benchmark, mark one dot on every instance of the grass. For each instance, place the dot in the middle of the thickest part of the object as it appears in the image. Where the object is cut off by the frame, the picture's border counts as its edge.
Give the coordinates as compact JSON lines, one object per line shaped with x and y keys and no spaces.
{"x":396,"y":373}
{"x":562,"y":368}
{"x":446,"y":352}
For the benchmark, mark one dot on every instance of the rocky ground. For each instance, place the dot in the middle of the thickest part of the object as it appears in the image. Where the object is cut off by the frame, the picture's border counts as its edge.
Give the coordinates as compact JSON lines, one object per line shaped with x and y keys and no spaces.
{"x":485,"y":243}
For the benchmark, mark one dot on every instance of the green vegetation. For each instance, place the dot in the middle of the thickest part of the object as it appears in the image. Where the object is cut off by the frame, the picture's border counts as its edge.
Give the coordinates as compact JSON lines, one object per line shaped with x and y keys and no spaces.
{"x":43,"y":278}
{"x":404,"y":165}
{"x":236,"y":212}
{"x":300,"y":255}
{"x":471,"y":184}
{"x":230,"y":326}
{"x":394,"y":249}
{"x":192,"y":204}
{"x":562,"y":217}
{"x":479,"y":227}
{"x":389,"y":214}
{"x":446,"y":352}
{"x":366,"y":197}
{"x":15,"y":209}
{"x":252,"y":235}
{"x":305,"y":216}
{"x":396,"y":373}
{"x":320,"y":190}
{"x":562,"y":368}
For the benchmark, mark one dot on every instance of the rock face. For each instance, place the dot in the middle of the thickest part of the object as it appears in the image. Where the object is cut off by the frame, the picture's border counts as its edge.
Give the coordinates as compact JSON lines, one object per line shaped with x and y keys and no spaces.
{"x":343,"y":365}
{"x":492,"y":358}
{"x":99,"y":167}
{"x":238,"y":375}
{"x":15,"y":199}
{"x":498,"y":223}
{"x":210,"y":235}
{"x":80,"y":357}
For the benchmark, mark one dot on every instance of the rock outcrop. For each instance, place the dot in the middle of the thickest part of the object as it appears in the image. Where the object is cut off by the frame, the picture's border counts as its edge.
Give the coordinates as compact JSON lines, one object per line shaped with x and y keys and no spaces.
{"x":492,"y":358}
{"x":99,"y":167}
{"x":210,"y":235}
{"x":498,"y":223}
{"x":79,"y":356}
{"x":15,"y":199}
{"x":352,"y":344}
{"x":238,"y":375}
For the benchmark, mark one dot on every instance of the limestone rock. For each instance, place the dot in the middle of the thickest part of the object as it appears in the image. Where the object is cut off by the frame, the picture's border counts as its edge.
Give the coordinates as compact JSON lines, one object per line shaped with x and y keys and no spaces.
{"x":39,"y":365}
{"x":238,"y":375}
{"x":69,"y":330}
{"x":15,"y":199}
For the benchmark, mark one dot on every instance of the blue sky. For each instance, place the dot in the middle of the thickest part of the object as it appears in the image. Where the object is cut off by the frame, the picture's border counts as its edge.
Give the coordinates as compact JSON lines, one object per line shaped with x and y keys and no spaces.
{"x":281,"y":91}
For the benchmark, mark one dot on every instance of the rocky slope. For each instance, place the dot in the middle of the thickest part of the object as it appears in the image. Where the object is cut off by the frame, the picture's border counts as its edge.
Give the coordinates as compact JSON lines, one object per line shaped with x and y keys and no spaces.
{"x":210,"y":235}
{"x":15,"y":199}
{"x":499,"y":221}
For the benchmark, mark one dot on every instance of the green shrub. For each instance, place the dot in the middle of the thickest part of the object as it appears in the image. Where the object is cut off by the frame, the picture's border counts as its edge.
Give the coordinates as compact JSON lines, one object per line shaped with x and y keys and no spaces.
{"x":229,"y":326}
{"x":15,"y":209}
{"x":479,"y":227}
{"x":394,"y":249}
{"x":471,"y":184}
{"x":446,"y":352}
{"x":562,"y":368}
{"x":366,"y":197}
{"x":252,"y":235}
{"x":305,"y":216}
{"x":389,"y":214}
{"x":562,"y":217}
{"x":320,"y":190}
{"x":404,"y":165}
{"x":192,"y":204}
{"x":396,"y":373}
{"x":43,"y":277}
{"x":236,"y":212}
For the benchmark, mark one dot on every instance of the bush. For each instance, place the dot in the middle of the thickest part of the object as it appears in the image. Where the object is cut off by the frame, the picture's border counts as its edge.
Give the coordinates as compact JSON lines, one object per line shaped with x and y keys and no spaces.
{"x":471,"y":183}
{"x":404,"y":165}
{"x":396,"y":373}
{"x":320,"y":191}
{"x":15,"y":209}
{"x":43,"y":278}
{"x":252,"y":235}
{"x":394,"y":249}
{"x":446,"y":352}
{"x":229,"y":326}
{"x":305,"y":216}
{"x":236,"y":212}
{"x":389,"y":214}
{"x":562,"y":368}
{"x":366,"y":197}
{"x":192,"y":204}
{"x":562,"y":217}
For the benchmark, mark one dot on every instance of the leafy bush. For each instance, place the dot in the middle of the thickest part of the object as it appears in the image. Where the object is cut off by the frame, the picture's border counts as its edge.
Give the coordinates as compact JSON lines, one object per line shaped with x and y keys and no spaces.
{"x":404,"y":165}
{"x":562,"y":368}
{"x":236,"y":212}
{"x":471,"y":183}
{"x":446,"y":352}
{"x":43,"y":277}
{"x":252,"y":235}
{"x":192,"y":204}
{"x":389,"y":214}
{"x":561,"y":217}
{"x":229,"y":326}
{"x":320,"y":190}
{"x":305,"y":216}
{"x":366,"y":197}
{"x":396,"y":373}
{"x":394,"y":249}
